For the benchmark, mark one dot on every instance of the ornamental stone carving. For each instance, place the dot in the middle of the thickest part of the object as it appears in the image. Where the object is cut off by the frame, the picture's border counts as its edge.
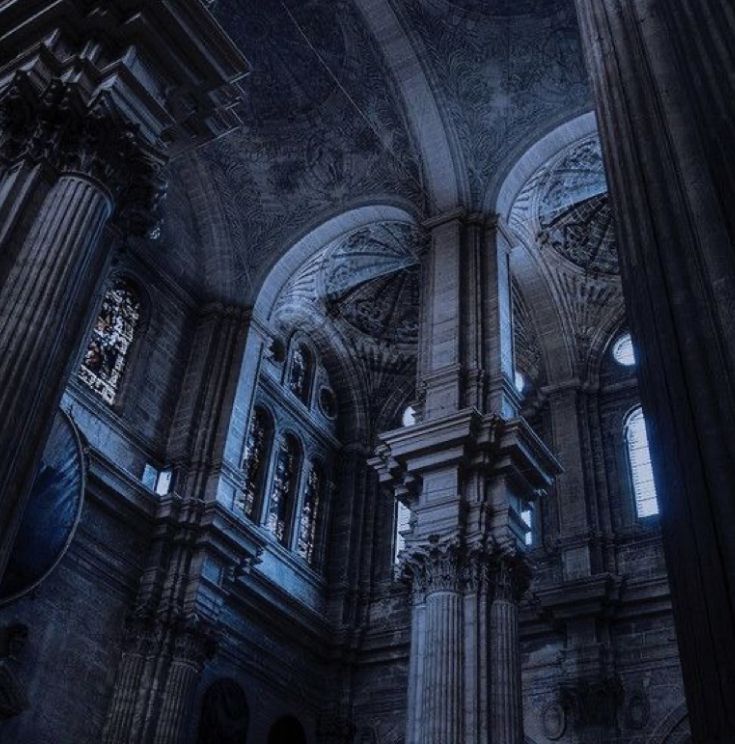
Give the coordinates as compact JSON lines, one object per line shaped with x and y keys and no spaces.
{"x":60,"y":127}
{"x":436,"y":567}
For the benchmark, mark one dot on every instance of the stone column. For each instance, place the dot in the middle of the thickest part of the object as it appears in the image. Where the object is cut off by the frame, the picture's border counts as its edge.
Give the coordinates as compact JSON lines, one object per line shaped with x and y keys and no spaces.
{"x":90,"y":111}
{"x":191,"y":650}
{"x":197,"y":445}
{"x":469,"y":469}
{"x":665,"y":94}
{"x":506,"y":693}
{"x":174,"y":627}
{"x":437,"y":576}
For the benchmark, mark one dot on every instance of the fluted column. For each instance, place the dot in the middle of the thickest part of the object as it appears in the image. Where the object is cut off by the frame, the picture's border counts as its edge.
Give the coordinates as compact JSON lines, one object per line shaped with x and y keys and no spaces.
{"x":123,"y":716}
{"x":436,"y":659}
{"x":190,"y":653}
{"x":80,"y":160}
{"x":665,"y":94}
{"x":506,"y":706}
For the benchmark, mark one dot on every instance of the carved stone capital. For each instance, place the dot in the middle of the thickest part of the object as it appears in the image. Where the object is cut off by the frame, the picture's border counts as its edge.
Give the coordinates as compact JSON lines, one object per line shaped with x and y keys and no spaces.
{"x":59,"y":127}
{"x":510,"y":576}
{"x":186,"y":639}
{"x":436,"y":566}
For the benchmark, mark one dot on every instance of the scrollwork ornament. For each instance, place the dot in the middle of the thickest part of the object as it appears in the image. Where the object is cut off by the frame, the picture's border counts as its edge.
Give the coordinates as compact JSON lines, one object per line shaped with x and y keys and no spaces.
{"x":511,"y":578}
{"x":436,"y":566}
{"x":59,"y":127}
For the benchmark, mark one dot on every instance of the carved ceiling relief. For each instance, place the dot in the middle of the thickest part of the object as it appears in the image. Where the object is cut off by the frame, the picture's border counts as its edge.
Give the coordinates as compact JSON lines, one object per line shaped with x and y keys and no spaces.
{"x":506,"y":69}
{"x":563,"y":214}
{"x":529,"y":358}
{"x":365,"y":288}
{"x":367,"y":284}
{"x":322,"y":127}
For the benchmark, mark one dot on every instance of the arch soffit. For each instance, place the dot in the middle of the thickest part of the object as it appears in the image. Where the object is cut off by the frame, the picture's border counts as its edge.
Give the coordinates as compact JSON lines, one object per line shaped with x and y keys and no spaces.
{"x":532,"y":276}
{"x":441,"y":161}
{"x":332,"y":348}
{"x":313,"y":241}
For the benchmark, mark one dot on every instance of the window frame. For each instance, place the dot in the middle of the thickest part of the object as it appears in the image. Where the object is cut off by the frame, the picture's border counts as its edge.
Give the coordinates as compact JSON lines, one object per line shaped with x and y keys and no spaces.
{"x":132,"y":371}
{"x":632,"y":413}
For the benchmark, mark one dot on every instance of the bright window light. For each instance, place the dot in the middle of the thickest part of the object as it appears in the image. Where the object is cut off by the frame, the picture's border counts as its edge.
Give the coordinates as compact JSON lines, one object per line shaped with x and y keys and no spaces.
{"x":623,"y":351}
{"x":639,"y":456}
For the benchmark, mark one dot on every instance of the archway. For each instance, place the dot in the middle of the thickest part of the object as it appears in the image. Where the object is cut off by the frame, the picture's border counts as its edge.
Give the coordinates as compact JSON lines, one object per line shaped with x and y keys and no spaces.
{"x":287,"y":730}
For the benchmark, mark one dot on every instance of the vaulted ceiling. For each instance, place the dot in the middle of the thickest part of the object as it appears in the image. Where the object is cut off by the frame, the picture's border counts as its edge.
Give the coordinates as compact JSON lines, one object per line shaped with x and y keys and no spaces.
{"x":421,"y":104}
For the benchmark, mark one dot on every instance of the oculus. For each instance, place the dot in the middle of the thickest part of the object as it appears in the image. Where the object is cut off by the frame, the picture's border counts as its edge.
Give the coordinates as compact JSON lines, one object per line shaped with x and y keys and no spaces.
{"x":623,"y":351}
{"x":328,"y":403}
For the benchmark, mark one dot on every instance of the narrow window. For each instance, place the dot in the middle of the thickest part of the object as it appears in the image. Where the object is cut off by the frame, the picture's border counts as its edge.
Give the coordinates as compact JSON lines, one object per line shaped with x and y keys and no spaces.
{"x":310,"y":510}
{"x":301,"y":373}
{"x":106,"y":357}
{"x":639,"y":457}
{"x":527,"y":518}
{"x":402,"y":524}
{"x":284,"y":488}
{"x":409,"y":416}
{"x":257,"y":447}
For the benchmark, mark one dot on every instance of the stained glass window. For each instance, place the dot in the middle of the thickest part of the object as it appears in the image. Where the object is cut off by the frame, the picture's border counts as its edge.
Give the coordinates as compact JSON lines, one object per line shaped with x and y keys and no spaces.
{"x":301,"y":372}
{"x":283,"y":488}
{"x":104,"y":361}
{"x":641,"y":470}
{"x":257,"y":446}
{"x":313,"y":498}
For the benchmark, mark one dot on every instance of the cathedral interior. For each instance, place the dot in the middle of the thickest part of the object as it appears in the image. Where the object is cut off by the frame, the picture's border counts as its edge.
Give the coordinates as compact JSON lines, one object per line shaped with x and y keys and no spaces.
{"x":368,"y":371}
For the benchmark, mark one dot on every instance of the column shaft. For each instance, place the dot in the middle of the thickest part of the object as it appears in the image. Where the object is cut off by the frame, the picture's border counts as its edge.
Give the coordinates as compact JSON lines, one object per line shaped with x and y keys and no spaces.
{"x":665,"y":97}
{"x":442,"y":706}
{"x":44,"y":309}
{"x":506,"y":709}
{"x":182,"y":680}
{"x":120,"y":723}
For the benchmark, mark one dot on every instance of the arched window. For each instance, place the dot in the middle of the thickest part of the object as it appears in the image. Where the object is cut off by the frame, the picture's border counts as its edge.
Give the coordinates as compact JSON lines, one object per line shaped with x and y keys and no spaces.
{"x":283,"y":489}
{"x":408,"y":417}
{"x":104,"y":361}
{"x":401,"y":525}
{"x":225,"y":714}
{"x":287,"y":730}
{"x":310,"y":511}
{"x":641,"y":471}
{"x":255,"y":461}
{"x":623,"y":351}
{"x":301,"y":373}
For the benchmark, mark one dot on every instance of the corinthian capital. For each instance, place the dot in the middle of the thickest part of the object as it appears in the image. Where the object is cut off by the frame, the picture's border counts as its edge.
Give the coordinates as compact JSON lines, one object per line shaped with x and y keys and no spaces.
{"x":60,"y":127}
{"x":435,"y":566}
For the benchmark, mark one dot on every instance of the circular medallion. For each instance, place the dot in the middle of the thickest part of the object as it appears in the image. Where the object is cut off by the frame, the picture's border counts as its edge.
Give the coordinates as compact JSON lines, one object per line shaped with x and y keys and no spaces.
{"x":553,"y":721}
{"x":328,"y":402}
{"x":52,"y":514}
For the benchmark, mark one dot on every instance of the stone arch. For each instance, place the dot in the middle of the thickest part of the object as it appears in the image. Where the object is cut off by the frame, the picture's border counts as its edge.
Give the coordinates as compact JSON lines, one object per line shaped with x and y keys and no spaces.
{"x":673,"y":728}
{"x":538,"y":283}
{"x":445,"y":176}
{"x":263,"y":315}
